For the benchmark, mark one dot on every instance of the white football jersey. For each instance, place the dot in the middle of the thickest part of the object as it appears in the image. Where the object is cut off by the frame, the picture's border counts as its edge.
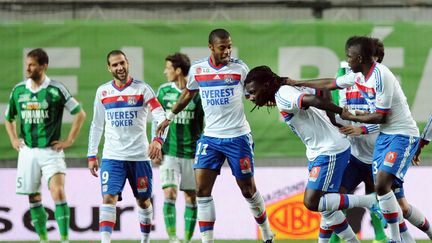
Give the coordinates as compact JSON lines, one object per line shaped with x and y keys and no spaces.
{"x":384,"y":94}
{"x":222,"y":92}
{"x":427,"y":131}
{"x":362,"y":146}
{"x":312,"y":125}
{"x":123,"y":113}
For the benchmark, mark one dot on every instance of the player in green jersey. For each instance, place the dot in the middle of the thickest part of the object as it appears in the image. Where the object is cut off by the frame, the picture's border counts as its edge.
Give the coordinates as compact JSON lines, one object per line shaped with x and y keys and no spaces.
{"x":37,"y":104}
{"x":179,"y":147}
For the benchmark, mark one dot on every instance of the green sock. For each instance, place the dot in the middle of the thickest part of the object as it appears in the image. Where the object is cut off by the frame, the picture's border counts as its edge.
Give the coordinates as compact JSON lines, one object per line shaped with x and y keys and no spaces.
{"x":62,"y":216}
{"x":169,"y":212}
{"x":39,"y":220}
{"x":378,"y":228}
{"x":190,"y":216}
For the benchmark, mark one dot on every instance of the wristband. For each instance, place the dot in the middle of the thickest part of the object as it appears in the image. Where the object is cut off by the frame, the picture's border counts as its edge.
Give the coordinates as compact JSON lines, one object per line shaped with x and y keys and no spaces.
{"x":170,"y":115}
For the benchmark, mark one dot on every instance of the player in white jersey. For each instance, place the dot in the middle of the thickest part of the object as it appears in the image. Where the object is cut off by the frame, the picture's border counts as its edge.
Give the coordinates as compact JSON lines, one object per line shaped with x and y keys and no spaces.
{"x":327,"y":150}
{"x":424,"y":140}
{"x":219,"y":81}
{"x":121,"y":109}
{"x":366,"y":82}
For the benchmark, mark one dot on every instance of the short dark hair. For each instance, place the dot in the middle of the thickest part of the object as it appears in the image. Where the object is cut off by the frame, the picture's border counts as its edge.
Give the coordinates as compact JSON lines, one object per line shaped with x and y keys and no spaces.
{"x":367,"y":46}
{"x":180,"y":60}
{"x":218,"y":33}
{"x":114,"y":53}
{"x":379,"y":49}
{"x":39,"y":55}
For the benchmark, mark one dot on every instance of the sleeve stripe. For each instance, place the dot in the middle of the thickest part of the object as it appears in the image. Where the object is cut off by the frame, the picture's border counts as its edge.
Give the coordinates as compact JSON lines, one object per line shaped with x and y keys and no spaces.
{"x":154,"y":103}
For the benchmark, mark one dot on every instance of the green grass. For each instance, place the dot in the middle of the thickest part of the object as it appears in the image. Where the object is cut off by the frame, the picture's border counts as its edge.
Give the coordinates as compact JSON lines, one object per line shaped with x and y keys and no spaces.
{"x":237,"y":241}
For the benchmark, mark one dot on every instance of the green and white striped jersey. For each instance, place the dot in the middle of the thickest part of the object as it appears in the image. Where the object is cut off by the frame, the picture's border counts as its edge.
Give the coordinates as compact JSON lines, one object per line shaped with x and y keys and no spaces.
{"x":187,"y":126}
{"x":40,"y":112}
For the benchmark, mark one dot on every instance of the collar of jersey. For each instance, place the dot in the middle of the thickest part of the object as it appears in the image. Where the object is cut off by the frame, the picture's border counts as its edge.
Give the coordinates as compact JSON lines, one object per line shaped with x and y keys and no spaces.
{"x":45,"y":84}
{"x":124,"y":87}
{"x":214,"y":66}
{"x":370,"y":71}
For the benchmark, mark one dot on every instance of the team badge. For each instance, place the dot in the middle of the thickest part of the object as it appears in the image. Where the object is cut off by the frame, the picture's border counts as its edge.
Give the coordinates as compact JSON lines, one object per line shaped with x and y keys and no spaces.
{"x":314,"y":173}
{"x":132,"y":100}
{"x":229,"y":79}
{"x":390,"y":158}
{"x":142,"y":184}
{"x":245,"y":165}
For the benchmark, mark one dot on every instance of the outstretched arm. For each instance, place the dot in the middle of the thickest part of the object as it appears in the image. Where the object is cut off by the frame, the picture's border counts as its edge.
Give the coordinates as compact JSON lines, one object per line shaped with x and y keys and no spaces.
{"x":182,"y":102}
{"x":320,"y":103}
{"x":373,"y":118}
{"x":321,"y":83}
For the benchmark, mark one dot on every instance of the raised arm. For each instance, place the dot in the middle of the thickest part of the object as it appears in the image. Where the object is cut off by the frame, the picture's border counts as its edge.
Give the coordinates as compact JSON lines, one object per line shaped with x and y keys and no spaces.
{"x":321,"y":83}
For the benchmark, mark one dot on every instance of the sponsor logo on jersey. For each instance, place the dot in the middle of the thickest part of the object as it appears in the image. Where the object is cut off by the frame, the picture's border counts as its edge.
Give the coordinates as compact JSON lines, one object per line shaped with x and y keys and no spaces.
{"x":245,"y":165}
{"x":104,"y":93}
{"x":142,"y":184}
{"x":198,"y":70}
{"x":120,"y":98}
{"x":314,"y":173}
{"x":390,"y":158}
{"x":23,"y":97}
{"x":54,"y":92}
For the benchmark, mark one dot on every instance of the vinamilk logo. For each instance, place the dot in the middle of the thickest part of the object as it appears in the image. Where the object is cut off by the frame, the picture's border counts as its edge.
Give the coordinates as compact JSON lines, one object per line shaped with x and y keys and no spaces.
{"x":290,"y":219}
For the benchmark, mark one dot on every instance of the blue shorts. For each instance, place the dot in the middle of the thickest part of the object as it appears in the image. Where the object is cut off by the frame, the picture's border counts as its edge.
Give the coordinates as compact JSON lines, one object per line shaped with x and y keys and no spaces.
{"x":211,"y":154}
{"x":393,"y":154}
{"x":114,"y":173}
{"x":355,"y":173}
{"x":326,"y":171}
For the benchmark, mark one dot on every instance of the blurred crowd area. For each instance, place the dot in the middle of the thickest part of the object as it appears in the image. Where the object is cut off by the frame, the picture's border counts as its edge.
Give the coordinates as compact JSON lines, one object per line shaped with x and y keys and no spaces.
{"x":226,"y":10}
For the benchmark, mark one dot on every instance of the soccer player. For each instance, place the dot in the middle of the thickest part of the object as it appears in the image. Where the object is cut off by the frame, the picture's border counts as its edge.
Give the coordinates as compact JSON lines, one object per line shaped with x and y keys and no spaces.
{"x":362,"y":139}
{"x":219,"y":81}
{"x":121,"y":108}
{"x":327,"y":150}
{"x":424,"y":140}
{"x":370,"y":78}
{"x":179,"y":147}
{"x":38,"y":103}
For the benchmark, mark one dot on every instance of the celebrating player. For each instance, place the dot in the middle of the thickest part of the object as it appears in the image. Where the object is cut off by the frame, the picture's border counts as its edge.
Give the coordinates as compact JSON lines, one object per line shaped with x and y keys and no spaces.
{"x":121,"y":108}
{"x":219,"y":81}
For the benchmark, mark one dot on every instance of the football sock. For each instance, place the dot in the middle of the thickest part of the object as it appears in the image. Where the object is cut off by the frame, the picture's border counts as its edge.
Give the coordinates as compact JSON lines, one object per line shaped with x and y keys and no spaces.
{"x":39,"y":220}
{"x":145,"y":216}
{"x":336,"y":201}
{"x":389,"y":207}
{"x":206,"y":218}
{"x":190,"y":217}
{"x":169,"y":211}
{"x":416,"y":218}
{"x":337,"y":223}
{"x":257,"y":207}
{"x":62,"y":216}
{"x":107,"y":220}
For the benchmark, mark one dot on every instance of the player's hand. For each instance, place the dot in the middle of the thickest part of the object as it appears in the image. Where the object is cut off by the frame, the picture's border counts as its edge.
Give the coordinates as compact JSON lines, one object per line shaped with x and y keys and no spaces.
{"x":157,"y":161}
{"x":93,"y":165}
{"x":155,"y":150}
{"x":347,"y":114}
{"x":351,"y":130}
{"x":160,"y":130}
{"x":17,"y":144}
{"x":59,"y":145}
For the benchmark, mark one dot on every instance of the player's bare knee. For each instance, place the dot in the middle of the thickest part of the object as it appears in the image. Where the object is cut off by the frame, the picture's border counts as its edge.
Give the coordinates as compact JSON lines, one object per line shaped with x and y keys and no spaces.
{"x":34,"y":198}
{"x":170,"y":193}
{"x":109,"y":199}
{"x":144,"y":203}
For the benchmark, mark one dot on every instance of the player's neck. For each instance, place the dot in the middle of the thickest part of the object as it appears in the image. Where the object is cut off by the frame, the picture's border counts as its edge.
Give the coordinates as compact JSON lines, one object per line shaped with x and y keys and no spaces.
{"x":120,"y":83}
{"x":181,"y":82}
{"x":36,"y":83}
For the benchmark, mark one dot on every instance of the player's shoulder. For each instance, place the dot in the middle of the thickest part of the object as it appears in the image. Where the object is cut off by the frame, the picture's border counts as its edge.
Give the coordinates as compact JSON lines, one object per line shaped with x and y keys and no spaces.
{"x":19,"y":85}
{"x":56,"y":84}
{"x":200,"y":61}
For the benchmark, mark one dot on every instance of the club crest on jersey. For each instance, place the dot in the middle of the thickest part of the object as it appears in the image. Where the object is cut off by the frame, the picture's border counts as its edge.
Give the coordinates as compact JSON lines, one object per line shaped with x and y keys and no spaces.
{"x":132,"y":100}
{"x":390,"y":158}
{"x":142,"y":184}
{"x":229,"y":79}
{"x":314,"y":173}
{"x":245,"y":165}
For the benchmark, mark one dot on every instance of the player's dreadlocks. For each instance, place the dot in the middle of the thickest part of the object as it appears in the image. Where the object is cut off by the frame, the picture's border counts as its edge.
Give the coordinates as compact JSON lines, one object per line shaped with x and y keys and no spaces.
{"x":266,"y":83}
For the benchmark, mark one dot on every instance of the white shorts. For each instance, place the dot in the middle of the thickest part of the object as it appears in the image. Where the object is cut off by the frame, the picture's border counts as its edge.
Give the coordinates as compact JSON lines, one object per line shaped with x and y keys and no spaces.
{"x":33,"y":163}
{"x":174,"y":170}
